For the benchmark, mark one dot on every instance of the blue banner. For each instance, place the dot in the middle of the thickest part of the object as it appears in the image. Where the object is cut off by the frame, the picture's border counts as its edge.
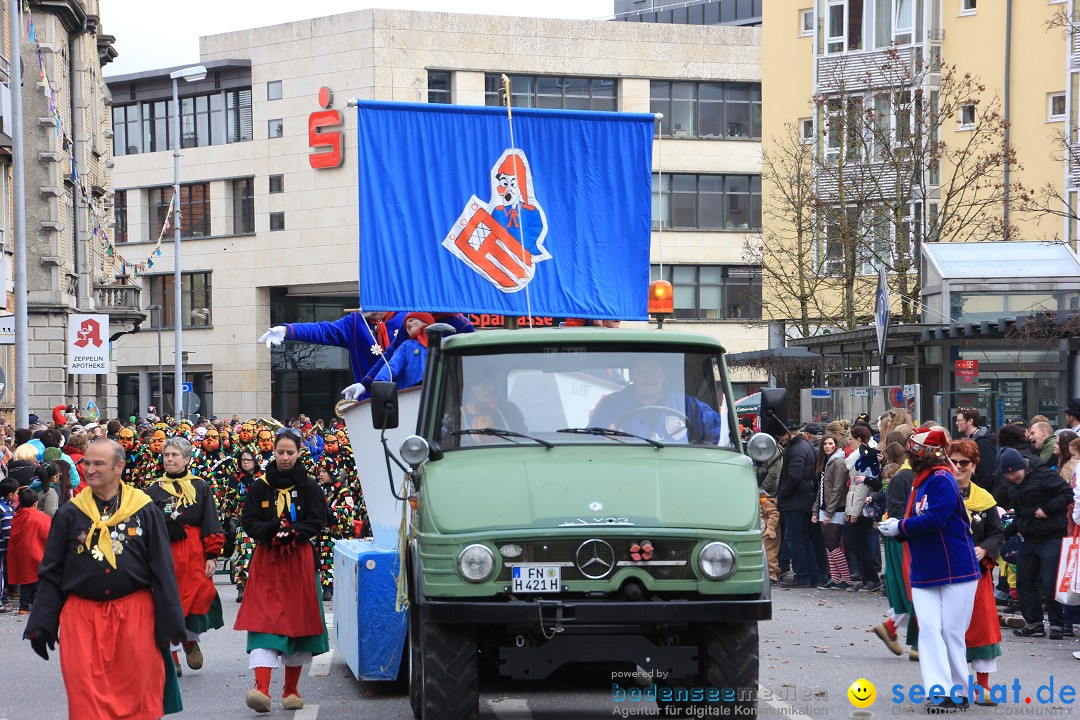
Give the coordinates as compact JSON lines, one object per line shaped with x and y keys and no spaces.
{"x":456,"y":218}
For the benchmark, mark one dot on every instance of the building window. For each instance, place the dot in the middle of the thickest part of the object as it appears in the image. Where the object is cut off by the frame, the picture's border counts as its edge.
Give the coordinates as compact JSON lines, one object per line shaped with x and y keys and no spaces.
{"x":438,"y":87}
{"x":273,"y":90}
{"x":967,"y":117}
{"x":119,"y":233}
{"x":707,"y":202}
{"x":714,"y":292}
{"x":277,"y":221}
{"x":967,"y":7}
{"x":208,"y":119}
{"x":1056,"y":103}
{"x":194,"y":210}
{"x":277,"y":184}
{"x":275,"y":128}
{"x":806,"y":130}
{"x":195,"y":293}
{"x":545,"y":91}
{"x":806,"y":22}
{"x":243,"y":206}
{"x":707,"y":110}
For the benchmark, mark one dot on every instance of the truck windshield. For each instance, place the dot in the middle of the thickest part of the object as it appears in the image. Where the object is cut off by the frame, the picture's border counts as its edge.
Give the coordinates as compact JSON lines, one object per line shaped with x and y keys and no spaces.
{"x":573,"y":396}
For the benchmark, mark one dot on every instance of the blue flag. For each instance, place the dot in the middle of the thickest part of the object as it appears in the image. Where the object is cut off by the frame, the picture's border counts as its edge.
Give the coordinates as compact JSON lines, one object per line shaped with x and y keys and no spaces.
{"x":455,"y":217}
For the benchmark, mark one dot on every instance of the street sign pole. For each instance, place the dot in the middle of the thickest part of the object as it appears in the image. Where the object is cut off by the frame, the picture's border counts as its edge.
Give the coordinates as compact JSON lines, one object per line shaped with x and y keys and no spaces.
{"x":882,"y":315}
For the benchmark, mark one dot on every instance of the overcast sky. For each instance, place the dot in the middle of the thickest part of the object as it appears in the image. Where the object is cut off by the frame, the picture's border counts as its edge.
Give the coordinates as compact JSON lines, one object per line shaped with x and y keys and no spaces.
{"x":152,"y":35}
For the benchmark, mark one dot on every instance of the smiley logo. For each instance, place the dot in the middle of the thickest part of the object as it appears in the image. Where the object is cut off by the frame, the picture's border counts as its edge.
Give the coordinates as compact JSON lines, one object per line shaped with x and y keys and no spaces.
{"x":862,"y":693}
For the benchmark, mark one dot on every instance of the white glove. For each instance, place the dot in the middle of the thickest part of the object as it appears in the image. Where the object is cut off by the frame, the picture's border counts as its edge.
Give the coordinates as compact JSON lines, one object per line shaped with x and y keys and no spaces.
{"x":889,"y":528}
{"x":354,"y":391}
{"x":273,"y":336}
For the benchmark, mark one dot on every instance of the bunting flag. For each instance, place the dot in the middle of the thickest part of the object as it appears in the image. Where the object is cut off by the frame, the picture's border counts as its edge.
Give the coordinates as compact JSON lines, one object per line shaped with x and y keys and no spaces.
{"x":98,"y":218}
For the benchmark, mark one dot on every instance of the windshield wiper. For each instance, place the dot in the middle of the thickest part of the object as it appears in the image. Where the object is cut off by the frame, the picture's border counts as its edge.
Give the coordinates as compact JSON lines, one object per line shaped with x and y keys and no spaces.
{"x":503,"y":434}
{"x":610,"y":432}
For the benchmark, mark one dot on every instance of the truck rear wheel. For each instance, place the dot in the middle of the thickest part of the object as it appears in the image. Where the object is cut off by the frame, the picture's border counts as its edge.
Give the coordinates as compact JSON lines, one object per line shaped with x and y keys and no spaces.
{"x":449,"y":672}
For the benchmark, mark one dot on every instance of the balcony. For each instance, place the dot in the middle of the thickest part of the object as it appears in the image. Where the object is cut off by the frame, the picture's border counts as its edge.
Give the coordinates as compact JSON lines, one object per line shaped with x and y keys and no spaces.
{"x":860,"y":71}
{"x":120,"y":302}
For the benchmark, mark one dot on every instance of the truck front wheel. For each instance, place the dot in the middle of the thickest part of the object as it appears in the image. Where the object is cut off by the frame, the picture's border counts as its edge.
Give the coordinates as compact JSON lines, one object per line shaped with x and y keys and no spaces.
{"x":729,"y":662}
{"x":449,"y":673}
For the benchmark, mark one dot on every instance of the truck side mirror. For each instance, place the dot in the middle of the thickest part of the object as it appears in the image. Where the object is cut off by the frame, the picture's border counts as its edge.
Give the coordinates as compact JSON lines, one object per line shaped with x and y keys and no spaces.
{"x":384,"y":405}
{"x":773,"y":418}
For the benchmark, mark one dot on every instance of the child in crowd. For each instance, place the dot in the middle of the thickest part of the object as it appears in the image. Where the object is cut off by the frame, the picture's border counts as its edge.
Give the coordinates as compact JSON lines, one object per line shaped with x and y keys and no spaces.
{"x":29,"y":529}
{"x":9,"y":489}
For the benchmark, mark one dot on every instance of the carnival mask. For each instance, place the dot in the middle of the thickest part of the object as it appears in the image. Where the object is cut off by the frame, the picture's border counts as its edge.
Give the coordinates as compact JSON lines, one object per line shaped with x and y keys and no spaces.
{"x":343,"y":439}
{"x":157,"y":441}
{"x":212,"y":441}
{"x":330,"y":445}
{"x":226,"y":440}
{"x":266,"y":441}
{"x":126,"y":437}
{"x":247,"y":433}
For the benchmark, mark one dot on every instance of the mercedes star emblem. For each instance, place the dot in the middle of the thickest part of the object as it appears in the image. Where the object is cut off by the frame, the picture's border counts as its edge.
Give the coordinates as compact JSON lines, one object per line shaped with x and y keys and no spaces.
{"x":596,"y":506}
{"x":595,"y":559}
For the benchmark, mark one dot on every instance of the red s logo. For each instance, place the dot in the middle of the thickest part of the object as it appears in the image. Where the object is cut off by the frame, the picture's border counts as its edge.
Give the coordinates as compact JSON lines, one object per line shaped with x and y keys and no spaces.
{"x":328,"y":147}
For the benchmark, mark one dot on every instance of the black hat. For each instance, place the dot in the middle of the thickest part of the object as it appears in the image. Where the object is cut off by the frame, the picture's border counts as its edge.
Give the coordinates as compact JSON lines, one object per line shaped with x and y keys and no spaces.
{"x":813,"y":429}
{"x":791,"y":425}
{"x":1019,"y":421}
{"x":863,"y":417}
{"x":1073,"y":407}
{"x":33,"y":419}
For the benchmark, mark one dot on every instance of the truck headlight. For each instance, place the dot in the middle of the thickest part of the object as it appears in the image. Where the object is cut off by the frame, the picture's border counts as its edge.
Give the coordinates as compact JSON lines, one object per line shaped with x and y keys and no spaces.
{"x":717,"y":560}
{"x":476,"y":563}
{"x":414,"y":450}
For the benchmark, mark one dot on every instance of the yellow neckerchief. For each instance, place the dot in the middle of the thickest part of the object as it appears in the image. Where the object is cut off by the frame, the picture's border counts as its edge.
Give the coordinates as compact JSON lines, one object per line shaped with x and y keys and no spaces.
{"x":284,"y":497}
{"x":978,"y":500}
{"x":131,"y":501}
{"x":184,"y":491}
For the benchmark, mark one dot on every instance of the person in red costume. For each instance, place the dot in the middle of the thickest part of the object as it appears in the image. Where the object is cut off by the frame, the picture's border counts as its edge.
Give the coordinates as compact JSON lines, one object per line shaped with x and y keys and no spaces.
{"x":196,"y":539}
{"x":29,"y":529}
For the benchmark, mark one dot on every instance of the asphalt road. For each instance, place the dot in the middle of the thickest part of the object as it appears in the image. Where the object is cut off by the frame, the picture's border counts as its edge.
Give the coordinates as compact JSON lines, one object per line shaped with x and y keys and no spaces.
{"x":816,"y":645}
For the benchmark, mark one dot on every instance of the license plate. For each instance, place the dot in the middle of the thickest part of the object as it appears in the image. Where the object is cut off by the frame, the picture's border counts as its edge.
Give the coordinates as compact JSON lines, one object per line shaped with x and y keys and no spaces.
{"x":536,"y":578}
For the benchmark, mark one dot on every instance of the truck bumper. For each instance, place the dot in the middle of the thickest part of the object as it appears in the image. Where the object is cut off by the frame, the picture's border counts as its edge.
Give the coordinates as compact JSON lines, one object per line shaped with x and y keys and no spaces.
{"x":596,"y":613}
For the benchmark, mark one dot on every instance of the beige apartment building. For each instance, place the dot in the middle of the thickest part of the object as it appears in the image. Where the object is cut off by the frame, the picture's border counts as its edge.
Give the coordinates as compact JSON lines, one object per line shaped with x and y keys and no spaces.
{"x":270,"y":239}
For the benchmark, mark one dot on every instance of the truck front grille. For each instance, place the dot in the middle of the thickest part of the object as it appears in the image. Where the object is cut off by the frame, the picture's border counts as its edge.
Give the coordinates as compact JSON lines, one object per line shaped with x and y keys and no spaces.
{"x":671,"y":558}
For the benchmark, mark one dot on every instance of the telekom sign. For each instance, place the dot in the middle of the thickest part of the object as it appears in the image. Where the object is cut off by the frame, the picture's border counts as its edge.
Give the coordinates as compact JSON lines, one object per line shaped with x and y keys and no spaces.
{"x":325,"y":136}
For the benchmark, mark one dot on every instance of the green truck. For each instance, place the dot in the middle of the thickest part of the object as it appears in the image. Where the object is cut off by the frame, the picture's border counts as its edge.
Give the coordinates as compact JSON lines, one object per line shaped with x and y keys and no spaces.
{"x":580,"y":495}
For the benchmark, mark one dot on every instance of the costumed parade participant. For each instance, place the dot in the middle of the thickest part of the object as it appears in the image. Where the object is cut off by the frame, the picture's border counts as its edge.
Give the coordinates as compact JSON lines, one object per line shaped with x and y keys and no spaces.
{"x":214,"y":464}
{"x":245,"y":439}
{"x":133,"y":451}
{"x":406,"y":366}
{"x":195,"y":536}
{"x":984,"y":633}
{"x":150,"y":465}
{"x":248,"y":471}
{"x":339,"y":523}
{"x":107,"y":587}
{"x":265,"y":442}
{"x":282,"y":611}
{"x":944,"y":567}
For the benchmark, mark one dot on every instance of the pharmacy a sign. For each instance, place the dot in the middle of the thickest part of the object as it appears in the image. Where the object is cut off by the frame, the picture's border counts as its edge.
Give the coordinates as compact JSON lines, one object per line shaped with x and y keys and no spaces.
{"x":88,"y":344}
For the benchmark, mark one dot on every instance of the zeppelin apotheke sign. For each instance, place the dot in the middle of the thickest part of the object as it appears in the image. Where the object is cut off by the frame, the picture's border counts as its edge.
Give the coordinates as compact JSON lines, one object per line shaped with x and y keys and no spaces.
{"x":88,"y":344}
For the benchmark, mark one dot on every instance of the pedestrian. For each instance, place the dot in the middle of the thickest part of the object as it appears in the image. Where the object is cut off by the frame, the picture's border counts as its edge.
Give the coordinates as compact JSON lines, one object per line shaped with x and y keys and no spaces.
{"x":1043,"y":442}
{"x":282,"y":609}
{"x":195,"y":541}
{"x":983,"y":637}
{"x":828,"y":510}
{"x":47,"y":477}
{"x":864,"y":470}
{"x":9,"y":500}
{"x":1066,"y":463}
{"x":770,"y":521}
{"x":106,"y":585}
{"x":795,"y":501}
{"x":1039,"y":499}
{"x":1072,"y":416}
{"x":969,"y":424}
{"x":76,"y":449}
{"x":943,"y":566}
{"x":29,"y":528}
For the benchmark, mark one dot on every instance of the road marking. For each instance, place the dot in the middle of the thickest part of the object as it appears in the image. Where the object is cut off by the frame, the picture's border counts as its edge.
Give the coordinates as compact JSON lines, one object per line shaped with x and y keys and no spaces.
{"x":517,"y":709}
{"x":308,"y":712}
{"x":782,"y":707}
{"x":329,"y":621}
{"x":320,"y":664}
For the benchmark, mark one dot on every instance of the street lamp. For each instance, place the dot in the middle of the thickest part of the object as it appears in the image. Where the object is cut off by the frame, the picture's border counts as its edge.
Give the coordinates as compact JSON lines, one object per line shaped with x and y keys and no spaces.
{"x":191,"y":74}
{"x":160,"y":383}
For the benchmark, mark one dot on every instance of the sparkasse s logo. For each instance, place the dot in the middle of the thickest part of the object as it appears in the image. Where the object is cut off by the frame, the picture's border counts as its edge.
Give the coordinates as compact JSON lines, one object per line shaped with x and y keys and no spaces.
{"x":326,"y":142}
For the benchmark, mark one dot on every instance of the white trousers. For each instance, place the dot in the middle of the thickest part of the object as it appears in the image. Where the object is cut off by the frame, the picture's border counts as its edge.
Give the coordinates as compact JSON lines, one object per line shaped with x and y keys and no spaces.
{"x":944,"y":614}
{"x":264,"y":657}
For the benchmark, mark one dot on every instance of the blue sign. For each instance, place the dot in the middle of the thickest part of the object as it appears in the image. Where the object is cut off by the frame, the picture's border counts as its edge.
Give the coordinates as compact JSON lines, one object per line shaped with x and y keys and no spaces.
{"x":187,"y":387}
{"x":457,"y":216}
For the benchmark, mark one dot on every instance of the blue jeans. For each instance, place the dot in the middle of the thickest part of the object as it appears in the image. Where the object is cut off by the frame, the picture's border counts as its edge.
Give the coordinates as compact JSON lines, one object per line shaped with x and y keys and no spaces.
{"x":797,"y":534}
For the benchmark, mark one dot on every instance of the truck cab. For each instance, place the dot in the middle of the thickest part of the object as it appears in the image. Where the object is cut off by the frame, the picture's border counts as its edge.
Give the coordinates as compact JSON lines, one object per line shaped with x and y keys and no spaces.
{"x":581,"y":496}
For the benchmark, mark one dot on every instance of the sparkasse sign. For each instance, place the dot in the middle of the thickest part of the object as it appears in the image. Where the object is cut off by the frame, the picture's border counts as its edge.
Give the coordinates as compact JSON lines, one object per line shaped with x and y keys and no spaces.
{"x":88,"y":344}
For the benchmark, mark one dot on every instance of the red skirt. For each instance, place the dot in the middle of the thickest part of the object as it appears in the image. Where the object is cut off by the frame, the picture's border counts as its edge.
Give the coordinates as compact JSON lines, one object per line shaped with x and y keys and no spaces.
{"x":281,"y":597}
{"x":197,"y":592}
{"x":985,"y":628}
{"x":111,"y":664}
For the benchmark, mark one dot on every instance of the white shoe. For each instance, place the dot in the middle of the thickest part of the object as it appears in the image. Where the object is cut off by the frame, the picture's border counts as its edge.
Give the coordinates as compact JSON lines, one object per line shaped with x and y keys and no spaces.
{"x":1077,"y":654}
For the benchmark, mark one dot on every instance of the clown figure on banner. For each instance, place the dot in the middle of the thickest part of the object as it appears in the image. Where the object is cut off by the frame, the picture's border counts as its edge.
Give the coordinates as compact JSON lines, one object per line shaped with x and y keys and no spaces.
{"x":341,"y":509}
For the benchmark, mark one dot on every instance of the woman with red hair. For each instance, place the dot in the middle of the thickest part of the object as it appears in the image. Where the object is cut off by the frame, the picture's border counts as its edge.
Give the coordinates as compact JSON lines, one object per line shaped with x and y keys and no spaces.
{"x":984,"y":633}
